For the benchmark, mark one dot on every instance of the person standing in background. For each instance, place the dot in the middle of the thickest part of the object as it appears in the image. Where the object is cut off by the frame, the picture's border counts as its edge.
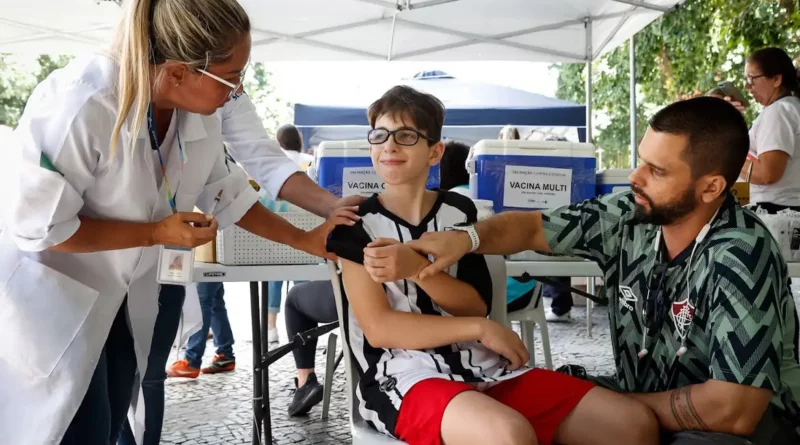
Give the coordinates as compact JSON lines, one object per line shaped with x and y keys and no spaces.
{"x":771,"y":78}
{"x":291,"y":142}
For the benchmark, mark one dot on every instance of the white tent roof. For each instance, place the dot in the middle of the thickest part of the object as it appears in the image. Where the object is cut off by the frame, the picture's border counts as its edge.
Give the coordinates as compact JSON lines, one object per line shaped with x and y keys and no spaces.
{"x":319,"y":30}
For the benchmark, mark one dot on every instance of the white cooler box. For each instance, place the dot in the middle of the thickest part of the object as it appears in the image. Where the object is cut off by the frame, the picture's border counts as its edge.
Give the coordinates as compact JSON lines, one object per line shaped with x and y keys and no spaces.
{"x":238,"y":247}
{"x":613,"y":180}
{"x":345,"y":168}
{"x":532,"y":175}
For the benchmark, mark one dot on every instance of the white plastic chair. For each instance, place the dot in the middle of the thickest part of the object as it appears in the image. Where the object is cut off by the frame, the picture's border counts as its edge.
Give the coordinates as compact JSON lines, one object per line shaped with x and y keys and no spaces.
{"x":528,"y":318}
{"x":361,"y":432}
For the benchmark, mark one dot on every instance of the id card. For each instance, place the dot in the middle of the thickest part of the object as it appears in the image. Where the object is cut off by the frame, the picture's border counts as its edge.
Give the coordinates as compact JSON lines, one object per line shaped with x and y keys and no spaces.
{"x":175,"y":265}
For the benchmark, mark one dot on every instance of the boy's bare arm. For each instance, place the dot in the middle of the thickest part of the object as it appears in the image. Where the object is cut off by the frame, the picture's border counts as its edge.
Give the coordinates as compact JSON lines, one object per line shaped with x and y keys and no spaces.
{"x":387,"y":328}
{"x":389,"y":260}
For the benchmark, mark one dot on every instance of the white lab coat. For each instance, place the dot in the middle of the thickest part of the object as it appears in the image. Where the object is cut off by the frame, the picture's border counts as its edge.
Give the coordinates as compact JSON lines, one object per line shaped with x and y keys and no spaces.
{"x":56,"y":309}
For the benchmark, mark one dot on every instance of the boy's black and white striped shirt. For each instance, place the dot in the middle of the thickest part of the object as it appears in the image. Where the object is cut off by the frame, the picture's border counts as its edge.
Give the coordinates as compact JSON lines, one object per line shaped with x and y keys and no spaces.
{"x":388,"y":374}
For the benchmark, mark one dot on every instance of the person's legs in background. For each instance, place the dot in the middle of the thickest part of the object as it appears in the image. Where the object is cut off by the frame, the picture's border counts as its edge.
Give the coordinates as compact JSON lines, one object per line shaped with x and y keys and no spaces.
{"x":170,"y":308}
{"x":307,"y":305}
{"x":189,"y":366}
{"x":99,"y":418}
{"x":274,"y":289}
{"x":224,"y":359}
{"x":561,"y":305}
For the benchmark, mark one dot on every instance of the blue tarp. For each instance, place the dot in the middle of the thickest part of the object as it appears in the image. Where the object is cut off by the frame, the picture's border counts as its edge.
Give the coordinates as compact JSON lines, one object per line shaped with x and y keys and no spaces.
{"x":468,"y":103}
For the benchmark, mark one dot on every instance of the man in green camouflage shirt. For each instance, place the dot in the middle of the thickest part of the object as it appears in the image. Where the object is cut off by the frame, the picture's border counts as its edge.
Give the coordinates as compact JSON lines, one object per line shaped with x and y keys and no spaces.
{"x":704,"y":327}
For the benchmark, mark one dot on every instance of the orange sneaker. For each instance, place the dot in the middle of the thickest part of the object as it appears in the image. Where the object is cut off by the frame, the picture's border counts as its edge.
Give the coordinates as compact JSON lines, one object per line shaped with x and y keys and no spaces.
{"x":181,"y":368}
{"x":220,"y":363}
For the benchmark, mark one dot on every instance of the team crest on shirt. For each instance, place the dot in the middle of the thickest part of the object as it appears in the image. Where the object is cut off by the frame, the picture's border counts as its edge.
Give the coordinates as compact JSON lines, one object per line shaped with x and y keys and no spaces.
{"x":627,"y":298}
{"x":388,"y":384}
{"x":682,"y":315}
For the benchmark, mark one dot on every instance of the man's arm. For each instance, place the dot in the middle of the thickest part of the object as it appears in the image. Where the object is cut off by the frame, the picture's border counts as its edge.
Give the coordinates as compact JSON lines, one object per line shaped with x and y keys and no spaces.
{"x":512,"y":232}
{"x":717,"y":406}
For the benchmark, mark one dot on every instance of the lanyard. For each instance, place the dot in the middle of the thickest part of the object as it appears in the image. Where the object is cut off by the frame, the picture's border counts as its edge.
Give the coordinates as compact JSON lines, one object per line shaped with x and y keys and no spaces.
{"x":152,"y":126}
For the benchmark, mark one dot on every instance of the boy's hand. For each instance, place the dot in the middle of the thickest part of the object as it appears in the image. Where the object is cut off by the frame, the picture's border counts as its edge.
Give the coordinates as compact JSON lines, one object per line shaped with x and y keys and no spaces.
{"x":389,"y":260}
{"x":505,"y":342}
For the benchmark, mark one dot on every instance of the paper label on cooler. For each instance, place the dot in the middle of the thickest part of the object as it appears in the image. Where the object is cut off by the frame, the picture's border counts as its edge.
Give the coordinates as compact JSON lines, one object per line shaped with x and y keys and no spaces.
{"x":361,"y":181}
{"x":537,"y":187}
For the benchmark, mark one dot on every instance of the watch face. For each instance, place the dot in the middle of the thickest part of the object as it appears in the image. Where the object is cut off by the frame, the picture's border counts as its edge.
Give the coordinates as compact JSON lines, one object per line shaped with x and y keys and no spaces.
{"x":463,"y":224}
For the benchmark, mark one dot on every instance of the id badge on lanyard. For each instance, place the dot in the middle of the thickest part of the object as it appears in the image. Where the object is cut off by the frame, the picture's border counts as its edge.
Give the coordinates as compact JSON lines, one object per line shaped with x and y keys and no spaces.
{"x":175,"y":264}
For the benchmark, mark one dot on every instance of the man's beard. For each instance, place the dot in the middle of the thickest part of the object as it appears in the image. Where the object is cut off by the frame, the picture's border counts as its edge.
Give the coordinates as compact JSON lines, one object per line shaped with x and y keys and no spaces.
{"x":664,"y":214}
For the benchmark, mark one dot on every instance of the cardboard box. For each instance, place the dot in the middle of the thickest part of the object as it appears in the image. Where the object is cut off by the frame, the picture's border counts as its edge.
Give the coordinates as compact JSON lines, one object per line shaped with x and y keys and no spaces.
{"x":741,"y":190}
{"x":207,"y":253}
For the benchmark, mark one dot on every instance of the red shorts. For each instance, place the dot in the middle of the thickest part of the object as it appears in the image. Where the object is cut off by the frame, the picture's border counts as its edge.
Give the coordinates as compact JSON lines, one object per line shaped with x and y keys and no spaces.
{"x":544,"y":397}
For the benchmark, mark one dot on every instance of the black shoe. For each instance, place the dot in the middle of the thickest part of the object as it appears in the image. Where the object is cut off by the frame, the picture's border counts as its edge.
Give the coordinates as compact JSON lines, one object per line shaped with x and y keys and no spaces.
{"x":305,"y":397}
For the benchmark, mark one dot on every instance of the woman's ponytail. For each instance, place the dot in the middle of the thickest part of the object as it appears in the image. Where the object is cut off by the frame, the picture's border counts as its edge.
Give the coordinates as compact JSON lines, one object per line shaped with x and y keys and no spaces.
{"x":133,"y":52}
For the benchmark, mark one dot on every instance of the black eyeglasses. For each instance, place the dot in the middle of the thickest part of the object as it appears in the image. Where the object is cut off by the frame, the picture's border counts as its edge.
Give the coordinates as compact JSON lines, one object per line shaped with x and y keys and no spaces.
{"x":402,"y":136}
{"x":654,"y":310}
{"x":750,"y":80}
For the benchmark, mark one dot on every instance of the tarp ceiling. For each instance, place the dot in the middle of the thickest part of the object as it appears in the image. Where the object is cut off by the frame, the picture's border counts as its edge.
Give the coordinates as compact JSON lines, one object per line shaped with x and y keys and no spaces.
{"x":319,"y":30}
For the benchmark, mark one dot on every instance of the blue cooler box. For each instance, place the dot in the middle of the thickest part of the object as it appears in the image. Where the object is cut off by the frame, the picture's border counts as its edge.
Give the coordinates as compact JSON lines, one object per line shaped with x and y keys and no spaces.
{"x":613,"y":180}
{"x":345,"y":168}
{"x":531,"y":175}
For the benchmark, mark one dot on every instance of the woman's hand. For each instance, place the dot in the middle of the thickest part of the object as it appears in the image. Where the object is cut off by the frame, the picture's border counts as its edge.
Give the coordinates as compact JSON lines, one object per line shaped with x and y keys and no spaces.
{"x":505,"y":342}
{"x":389,"y":260}
{"x":315,"y":241}
{"x":739,"y":106}
{"x":182,"y":230}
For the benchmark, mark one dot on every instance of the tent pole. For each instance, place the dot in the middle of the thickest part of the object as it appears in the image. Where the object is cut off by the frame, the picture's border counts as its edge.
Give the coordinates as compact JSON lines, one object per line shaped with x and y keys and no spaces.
{"x":632,"y":57}
{"x":391,"y":39}
{"x":588,"y":25}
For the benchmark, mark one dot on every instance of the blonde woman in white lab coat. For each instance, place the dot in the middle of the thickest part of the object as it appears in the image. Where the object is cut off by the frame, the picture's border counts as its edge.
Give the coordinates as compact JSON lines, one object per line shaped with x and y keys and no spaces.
{"x":112,"y":155}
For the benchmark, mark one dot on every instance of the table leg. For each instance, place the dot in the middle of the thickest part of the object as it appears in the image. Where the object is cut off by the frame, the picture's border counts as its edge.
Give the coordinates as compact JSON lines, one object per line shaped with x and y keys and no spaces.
{"x":258,"y":407}
{"x":590,"y":287}
{"x":265,"y":366}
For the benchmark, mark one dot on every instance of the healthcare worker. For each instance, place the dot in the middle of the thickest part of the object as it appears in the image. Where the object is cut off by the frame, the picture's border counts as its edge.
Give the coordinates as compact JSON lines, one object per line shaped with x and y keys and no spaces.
{"x":112,"y":155}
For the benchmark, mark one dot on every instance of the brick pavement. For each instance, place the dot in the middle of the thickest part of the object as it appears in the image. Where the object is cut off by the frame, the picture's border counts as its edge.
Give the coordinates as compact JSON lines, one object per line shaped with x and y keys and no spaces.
{"x":217,"y":409}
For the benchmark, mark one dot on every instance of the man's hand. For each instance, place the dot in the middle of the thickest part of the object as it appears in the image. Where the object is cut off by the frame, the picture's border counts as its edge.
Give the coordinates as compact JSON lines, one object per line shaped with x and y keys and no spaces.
{"x":445,"y":247}
{"x":315,"y":241}
{"x":389,"y":260}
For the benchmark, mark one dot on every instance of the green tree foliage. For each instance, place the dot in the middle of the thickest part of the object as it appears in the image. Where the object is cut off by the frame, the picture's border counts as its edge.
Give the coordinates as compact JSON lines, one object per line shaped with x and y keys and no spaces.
{"x":271,"y":108}
{"x":683,"y":54}
{"x":17,"y":81}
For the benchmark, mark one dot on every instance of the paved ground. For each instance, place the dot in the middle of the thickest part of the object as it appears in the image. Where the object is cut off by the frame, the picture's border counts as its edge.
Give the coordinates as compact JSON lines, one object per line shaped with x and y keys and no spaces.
{"x":217,"y":409}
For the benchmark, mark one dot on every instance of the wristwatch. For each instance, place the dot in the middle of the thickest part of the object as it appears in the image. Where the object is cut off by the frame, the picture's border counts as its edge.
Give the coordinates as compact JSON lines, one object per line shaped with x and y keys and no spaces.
{"x":469,"y":229}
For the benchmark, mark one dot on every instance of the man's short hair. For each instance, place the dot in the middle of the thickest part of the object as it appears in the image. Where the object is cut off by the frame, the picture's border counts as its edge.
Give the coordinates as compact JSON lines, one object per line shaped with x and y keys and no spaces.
{"x":717,"y":133}
{"x":289,"y":138}
{"x":426,"y":111}
{"x":453,"y":166}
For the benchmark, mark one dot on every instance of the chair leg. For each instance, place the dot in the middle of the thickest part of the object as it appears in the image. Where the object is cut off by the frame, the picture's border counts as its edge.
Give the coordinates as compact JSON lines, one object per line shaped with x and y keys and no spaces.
{"x":591,"y":289}
{"x":526,"y":329}
{"x":330,"y":368}
{"x":540,"y":319}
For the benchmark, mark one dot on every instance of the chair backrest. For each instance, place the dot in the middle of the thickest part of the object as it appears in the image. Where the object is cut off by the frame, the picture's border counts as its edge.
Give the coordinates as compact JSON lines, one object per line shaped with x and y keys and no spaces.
{"x":349,"y":367}
{"x":497,"y":271}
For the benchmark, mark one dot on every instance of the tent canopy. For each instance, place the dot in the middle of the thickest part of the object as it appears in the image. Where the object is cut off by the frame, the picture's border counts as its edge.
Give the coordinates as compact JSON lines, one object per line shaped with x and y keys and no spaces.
{"x":319,"y":30}
{"x":475,"y":110}
{"x":467,"y":103}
